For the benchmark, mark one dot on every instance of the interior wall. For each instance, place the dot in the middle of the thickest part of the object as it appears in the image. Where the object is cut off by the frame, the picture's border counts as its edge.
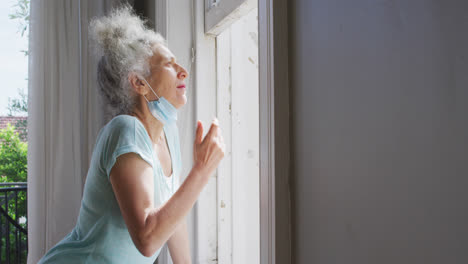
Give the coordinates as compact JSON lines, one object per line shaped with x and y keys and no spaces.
{"x":379,"y":103}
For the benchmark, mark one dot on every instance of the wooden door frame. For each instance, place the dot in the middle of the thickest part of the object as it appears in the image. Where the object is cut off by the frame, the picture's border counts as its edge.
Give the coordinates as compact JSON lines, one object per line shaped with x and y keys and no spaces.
{"x":275,"y":197}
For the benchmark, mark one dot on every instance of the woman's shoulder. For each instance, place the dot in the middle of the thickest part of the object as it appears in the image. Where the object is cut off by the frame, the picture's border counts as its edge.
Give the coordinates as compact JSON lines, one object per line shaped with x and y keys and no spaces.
{"x":124,"y":131}
{"x":124,"y":125}
{"x":122,"y":121}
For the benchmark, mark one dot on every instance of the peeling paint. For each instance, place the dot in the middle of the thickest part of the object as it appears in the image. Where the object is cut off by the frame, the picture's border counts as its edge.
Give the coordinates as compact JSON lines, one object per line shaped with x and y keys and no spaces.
{"x":254,"y":37}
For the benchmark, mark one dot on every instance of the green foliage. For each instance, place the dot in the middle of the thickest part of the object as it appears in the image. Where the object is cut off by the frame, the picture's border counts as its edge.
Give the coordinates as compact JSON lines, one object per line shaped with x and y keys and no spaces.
{"x":22,"y":14}
{"x":14,"y":233}
{"x":13,"y":165}
{"x":13,"y":168}
{"x":23,"y":254}
{"x":17,"y":213}
{"x":13,"y":156}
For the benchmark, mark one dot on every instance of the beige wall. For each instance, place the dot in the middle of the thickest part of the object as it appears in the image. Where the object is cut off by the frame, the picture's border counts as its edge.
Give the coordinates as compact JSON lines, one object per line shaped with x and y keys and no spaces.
{"x":379,"y":138}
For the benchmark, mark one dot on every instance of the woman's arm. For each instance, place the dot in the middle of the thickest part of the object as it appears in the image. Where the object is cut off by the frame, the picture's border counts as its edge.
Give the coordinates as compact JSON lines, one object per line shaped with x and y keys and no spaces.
{"x":132,"y":182}
{"x":179,"y":246}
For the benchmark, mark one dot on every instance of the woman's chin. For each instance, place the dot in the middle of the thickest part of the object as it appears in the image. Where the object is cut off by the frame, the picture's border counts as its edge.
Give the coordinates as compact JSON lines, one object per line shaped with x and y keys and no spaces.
{"x":181,"y":101}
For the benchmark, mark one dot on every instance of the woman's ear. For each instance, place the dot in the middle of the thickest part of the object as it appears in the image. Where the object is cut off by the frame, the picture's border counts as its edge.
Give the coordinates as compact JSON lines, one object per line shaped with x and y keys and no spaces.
{"x":138,"y":85}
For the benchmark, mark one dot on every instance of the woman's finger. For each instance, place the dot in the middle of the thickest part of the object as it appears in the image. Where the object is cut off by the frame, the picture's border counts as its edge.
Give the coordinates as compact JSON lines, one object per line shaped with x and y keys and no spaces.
{"x":199,"y":133}
{"x":213,"y":128}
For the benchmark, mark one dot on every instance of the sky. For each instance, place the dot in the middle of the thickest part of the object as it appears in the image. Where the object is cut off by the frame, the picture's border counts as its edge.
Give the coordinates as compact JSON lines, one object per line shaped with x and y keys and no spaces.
{"x":14,"y":64}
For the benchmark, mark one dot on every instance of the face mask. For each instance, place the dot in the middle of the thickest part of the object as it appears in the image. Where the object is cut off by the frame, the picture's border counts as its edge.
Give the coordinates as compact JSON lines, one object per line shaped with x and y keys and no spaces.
{"x":162,"y":109}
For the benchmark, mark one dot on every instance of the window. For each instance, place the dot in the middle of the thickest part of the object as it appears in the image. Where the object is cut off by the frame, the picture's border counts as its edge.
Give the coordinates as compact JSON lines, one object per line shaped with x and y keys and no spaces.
{"x":237,"y":109}
{"x":228,"y":210}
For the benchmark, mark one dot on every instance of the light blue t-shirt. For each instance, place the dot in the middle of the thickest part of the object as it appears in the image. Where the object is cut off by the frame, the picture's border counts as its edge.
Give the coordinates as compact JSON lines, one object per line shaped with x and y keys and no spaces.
{"x":100,"y":234}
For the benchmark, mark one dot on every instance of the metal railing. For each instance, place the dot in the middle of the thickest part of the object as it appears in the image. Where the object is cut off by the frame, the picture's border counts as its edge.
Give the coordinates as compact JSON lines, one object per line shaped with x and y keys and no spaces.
{"x":13,"y":222}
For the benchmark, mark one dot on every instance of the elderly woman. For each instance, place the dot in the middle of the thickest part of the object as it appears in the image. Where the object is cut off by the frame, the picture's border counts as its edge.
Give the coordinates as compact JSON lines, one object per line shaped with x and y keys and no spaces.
{"x":132,"y":202}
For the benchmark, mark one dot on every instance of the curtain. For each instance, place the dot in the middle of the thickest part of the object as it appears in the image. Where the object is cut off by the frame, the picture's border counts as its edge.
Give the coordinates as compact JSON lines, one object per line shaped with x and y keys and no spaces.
{"x":65,"y":115}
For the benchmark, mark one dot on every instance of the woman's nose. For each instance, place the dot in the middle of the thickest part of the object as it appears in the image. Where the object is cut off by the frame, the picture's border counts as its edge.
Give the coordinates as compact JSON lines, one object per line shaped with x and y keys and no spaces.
{"x":183,"y":73}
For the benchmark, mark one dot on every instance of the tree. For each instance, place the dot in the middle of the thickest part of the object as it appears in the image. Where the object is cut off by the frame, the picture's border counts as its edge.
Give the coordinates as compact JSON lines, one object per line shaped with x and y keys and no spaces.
{"x":13,"y":168}
{"x":21,"y":13}
{"x":18,"y":105}
{"x":13,"y":159}
{"x":13,"y":156}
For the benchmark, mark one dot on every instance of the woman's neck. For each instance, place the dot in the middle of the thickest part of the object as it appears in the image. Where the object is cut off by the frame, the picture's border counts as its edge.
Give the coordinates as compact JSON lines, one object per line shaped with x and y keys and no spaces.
{"x":153,"y":126}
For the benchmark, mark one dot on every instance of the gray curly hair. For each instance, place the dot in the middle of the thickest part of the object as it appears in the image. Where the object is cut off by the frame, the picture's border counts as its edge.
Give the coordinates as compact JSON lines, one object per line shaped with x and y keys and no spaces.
{"x":124,"y":44}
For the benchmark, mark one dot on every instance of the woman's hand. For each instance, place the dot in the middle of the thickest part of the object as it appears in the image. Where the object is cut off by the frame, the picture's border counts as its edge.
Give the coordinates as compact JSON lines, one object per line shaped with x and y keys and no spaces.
{"x":208,"y":153}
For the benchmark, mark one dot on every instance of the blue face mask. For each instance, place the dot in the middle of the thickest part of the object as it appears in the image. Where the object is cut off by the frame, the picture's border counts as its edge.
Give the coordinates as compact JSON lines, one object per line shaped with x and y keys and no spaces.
{"x":162,"y":109}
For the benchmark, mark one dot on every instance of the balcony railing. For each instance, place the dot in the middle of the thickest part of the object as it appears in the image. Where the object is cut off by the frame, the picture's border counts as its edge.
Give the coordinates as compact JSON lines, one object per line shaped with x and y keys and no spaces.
{"x":13,"y":222}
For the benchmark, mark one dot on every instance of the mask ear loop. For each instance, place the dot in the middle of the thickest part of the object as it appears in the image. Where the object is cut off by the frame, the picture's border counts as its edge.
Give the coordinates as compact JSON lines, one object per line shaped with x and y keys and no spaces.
{"x":151,"y":90}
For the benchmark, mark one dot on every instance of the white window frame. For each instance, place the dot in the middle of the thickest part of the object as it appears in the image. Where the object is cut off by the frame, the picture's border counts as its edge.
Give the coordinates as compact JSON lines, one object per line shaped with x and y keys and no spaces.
{"x":229,"y":227}
{"x":237,"y":110}
{"x":220,"y":14}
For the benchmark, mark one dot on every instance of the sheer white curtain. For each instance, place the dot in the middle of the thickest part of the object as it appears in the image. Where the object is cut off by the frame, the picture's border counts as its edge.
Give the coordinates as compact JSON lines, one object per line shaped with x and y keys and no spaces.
{"x":65,"y":116}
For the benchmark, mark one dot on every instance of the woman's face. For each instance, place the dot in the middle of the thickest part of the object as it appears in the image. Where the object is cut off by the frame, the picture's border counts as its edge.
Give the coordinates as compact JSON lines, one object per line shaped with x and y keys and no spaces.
{"x":167,"y":77}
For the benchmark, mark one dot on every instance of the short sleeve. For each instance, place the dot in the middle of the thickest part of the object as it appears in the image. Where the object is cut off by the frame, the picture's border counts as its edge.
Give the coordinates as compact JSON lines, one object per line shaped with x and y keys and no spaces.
{"x":124,"y":134}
